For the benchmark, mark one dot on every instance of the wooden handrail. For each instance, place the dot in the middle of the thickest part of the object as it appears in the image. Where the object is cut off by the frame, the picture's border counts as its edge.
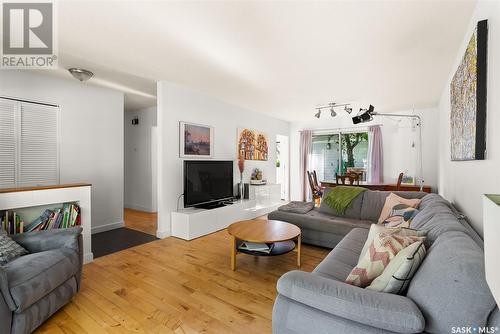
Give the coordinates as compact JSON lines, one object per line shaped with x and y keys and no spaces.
{"x":56,"y":186}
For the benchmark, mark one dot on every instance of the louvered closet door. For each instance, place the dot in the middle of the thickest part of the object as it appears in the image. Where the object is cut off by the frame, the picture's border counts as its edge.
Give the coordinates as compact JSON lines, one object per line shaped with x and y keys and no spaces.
{"x":38,"y":145}
{"x":7,"y":143}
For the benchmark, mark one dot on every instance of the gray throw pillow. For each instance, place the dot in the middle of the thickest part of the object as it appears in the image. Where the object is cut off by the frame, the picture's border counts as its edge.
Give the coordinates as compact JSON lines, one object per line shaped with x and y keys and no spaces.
{"x":9,"y":249}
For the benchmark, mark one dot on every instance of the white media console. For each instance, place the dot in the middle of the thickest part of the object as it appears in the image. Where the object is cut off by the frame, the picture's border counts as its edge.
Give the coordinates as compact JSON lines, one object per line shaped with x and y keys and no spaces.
{"x":191,"y":223}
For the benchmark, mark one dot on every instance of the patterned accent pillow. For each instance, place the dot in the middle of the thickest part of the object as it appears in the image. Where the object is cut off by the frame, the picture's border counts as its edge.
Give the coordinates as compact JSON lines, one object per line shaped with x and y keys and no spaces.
{"x":391,"y":201}
{"x":401,"y":216}
{"x":9,"y":249}
{"x":382,"y":250}
{"x":398,"y":274}
{"x":379,"y":228}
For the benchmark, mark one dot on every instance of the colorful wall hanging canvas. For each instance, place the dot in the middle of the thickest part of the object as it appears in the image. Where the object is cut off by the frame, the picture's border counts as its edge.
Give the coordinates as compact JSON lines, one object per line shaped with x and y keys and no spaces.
{"x":468,"y":99}
{"x":253,"y":145}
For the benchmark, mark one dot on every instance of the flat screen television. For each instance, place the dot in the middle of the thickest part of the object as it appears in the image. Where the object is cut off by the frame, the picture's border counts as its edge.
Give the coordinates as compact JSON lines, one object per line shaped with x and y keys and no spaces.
{"x":207,"y":182}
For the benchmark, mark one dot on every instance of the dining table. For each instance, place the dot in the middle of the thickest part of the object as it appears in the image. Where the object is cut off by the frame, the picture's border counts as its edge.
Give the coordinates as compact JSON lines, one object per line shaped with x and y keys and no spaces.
{"x":379,"y":186}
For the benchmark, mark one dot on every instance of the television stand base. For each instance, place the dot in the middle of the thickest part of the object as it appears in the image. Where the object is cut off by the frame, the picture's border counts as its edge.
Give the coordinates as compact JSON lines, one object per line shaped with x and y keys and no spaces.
{"x":192,"y":223}
{"x":210,"y":206}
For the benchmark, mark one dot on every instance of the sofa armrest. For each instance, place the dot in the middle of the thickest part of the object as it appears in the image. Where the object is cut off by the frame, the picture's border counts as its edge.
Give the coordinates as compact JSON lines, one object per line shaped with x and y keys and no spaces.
{"x":377,"y":309}
{"x":5,"y":315}
{"x":40,"y":241}
{"x":5,"y":291}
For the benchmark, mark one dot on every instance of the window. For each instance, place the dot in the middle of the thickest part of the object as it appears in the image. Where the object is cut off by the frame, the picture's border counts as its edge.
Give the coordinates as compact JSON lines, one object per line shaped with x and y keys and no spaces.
{"x":29,"y":146}
{"x":339,"y":153}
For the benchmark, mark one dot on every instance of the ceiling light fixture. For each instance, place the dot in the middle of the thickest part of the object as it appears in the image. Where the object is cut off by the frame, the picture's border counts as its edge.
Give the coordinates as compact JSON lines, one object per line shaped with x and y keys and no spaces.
{"x":81,"y":74}
{"x":331,"y":106}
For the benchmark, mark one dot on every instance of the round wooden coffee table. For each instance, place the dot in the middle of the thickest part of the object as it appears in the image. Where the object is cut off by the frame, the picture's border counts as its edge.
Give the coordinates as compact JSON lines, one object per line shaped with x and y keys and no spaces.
{"x":280,"y":234}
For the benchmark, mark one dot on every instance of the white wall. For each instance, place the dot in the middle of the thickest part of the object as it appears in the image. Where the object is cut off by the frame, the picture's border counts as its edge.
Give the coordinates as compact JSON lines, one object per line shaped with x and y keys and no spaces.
{"x":177,"y":103}
{"x":464,"y":182}
{"x":397,"y":139}
{"x":91,"y":148}
{"x":138,"y":159}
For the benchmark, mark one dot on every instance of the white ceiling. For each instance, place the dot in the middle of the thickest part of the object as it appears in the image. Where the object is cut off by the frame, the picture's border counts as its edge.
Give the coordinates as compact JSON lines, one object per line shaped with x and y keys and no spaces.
{"x":278,"y":58}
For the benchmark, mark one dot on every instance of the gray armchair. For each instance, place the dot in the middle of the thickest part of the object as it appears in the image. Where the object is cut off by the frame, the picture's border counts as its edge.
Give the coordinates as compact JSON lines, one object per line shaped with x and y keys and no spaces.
{"x":35,"y":286}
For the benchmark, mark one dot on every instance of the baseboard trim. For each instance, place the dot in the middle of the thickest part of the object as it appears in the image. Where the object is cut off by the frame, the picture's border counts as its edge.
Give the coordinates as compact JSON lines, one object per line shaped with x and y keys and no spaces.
{"x":87,"y":258}
{"x":163,"y":234}
{"x":139,"y":208}
{"x":107,"y":227}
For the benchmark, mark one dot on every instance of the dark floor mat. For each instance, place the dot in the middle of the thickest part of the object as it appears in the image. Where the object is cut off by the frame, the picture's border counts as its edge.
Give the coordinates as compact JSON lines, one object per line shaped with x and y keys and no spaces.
{"x":108,"y":242}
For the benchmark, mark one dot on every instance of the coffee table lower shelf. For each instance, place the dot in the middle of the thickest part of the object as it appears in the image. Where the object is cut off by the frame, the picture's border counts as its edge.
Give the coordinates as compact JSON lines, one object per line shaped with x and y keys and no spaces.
{"x":279,"y":248}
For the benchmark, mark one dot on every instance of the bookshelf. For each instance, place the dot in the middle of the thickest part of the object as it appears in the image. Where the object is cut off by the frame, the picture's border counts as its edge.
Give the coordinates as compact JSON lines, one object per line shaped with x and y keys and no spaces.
{"x":30,"y":202}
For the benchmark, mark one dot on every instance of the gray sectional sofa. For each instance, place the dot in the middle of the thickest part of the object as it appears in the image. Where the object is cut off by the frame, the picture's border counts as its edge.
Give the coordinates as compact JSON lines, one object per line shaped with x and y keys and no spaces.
{"x":447,"y":294}
{"x":35,"y":286}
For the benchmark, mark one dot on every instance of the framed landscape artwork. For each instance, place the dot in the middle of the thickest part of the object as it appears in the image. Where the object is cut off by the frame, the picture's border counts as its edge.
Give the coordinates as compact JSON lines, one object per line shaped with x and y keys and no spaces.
{"x":468,"y":99}
{"x":252,"y":145}
{"x":196,"y":140}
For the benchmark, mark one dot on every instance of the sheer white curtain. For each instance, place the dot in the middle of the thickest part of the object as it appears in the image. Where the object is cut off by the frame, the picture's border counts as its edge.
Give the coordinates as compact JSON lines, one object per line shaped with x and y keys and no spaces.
{"x":305,"y":151}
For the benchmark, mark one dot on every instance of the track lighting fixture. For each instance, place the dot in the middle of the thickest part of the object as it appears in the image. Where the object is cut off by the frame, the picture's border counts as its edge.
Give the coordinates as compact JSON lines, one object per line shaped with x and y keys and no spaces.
{"x":331,"y":106}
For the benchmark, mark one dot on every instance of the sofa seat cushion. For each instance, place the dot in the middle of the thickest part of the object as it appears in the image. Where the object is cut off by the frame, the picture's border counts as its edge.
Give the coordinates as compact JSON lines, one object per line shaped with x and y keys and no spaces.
{"x":339,"y":263}
{"x":450,"y":286}
{"x":32,"y":277}
{"x":318,"y":221}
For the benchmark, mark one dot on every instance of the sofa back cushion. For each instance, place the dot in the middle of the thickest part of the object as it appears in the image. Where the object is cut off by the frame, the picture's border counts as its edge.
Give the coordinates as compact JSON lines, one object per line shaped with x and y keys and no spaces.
{"x":450,"y":286}
{"x":354,"y":210}
{"x":438,"y":216}
{"x":373,"y":202}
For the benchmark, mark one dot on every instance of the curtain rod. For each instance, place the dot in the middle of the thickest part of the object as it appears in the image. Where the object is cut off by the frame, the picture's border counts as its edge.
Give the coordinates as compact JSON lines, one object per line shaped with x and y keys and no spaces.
{"x":362,"y":128}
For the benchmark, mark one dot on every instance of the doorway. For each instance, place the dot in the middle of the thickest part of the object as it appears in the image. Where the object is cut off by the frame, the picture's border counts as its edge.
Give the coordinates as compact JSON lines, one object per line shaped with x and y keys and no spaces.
{"x":282,"y":165}
{"x":140,"y":170}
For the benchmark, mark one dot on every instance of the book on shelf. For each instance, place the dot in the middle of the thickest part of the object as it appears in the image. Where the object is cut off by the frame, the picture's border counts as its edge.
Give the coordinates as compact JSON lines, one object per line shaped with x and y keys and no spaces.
{"x":11,"y":222}
{"x":256,"y":247}
{"x":67,"y":216}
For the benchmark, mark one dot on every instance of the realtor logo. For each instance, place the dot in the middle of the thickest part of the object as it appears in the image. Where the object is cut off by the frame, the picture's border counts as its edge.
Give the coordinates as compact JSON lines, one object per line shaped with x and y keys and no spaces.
{"x":28,"y":35}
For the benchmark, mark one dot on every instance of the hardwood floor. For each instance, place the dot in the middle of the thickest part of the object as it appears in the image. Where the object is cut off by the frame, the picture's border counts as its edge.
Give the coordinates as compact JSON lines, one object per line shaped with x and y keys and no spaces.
{"x":141,"y":221}
{"x":176,"y":286}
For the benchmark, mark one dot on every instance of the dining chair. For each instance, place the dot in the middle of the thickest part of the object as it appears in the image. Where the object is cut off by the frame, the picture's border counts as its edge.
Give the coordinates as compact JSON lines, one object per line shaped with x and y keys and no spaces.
{"x":400,"y":179}
{"x":316,"y":191}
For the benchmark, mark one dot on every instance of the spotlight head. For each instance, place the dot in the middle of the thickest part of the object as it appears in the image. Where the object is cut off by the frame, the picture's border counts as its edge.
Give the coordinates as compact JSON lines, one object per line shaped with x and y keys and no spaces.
{"x":318,"y":114}
{"x":332,"y":112}
{"x":364,"y":115}
{"x":348,"y":109}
